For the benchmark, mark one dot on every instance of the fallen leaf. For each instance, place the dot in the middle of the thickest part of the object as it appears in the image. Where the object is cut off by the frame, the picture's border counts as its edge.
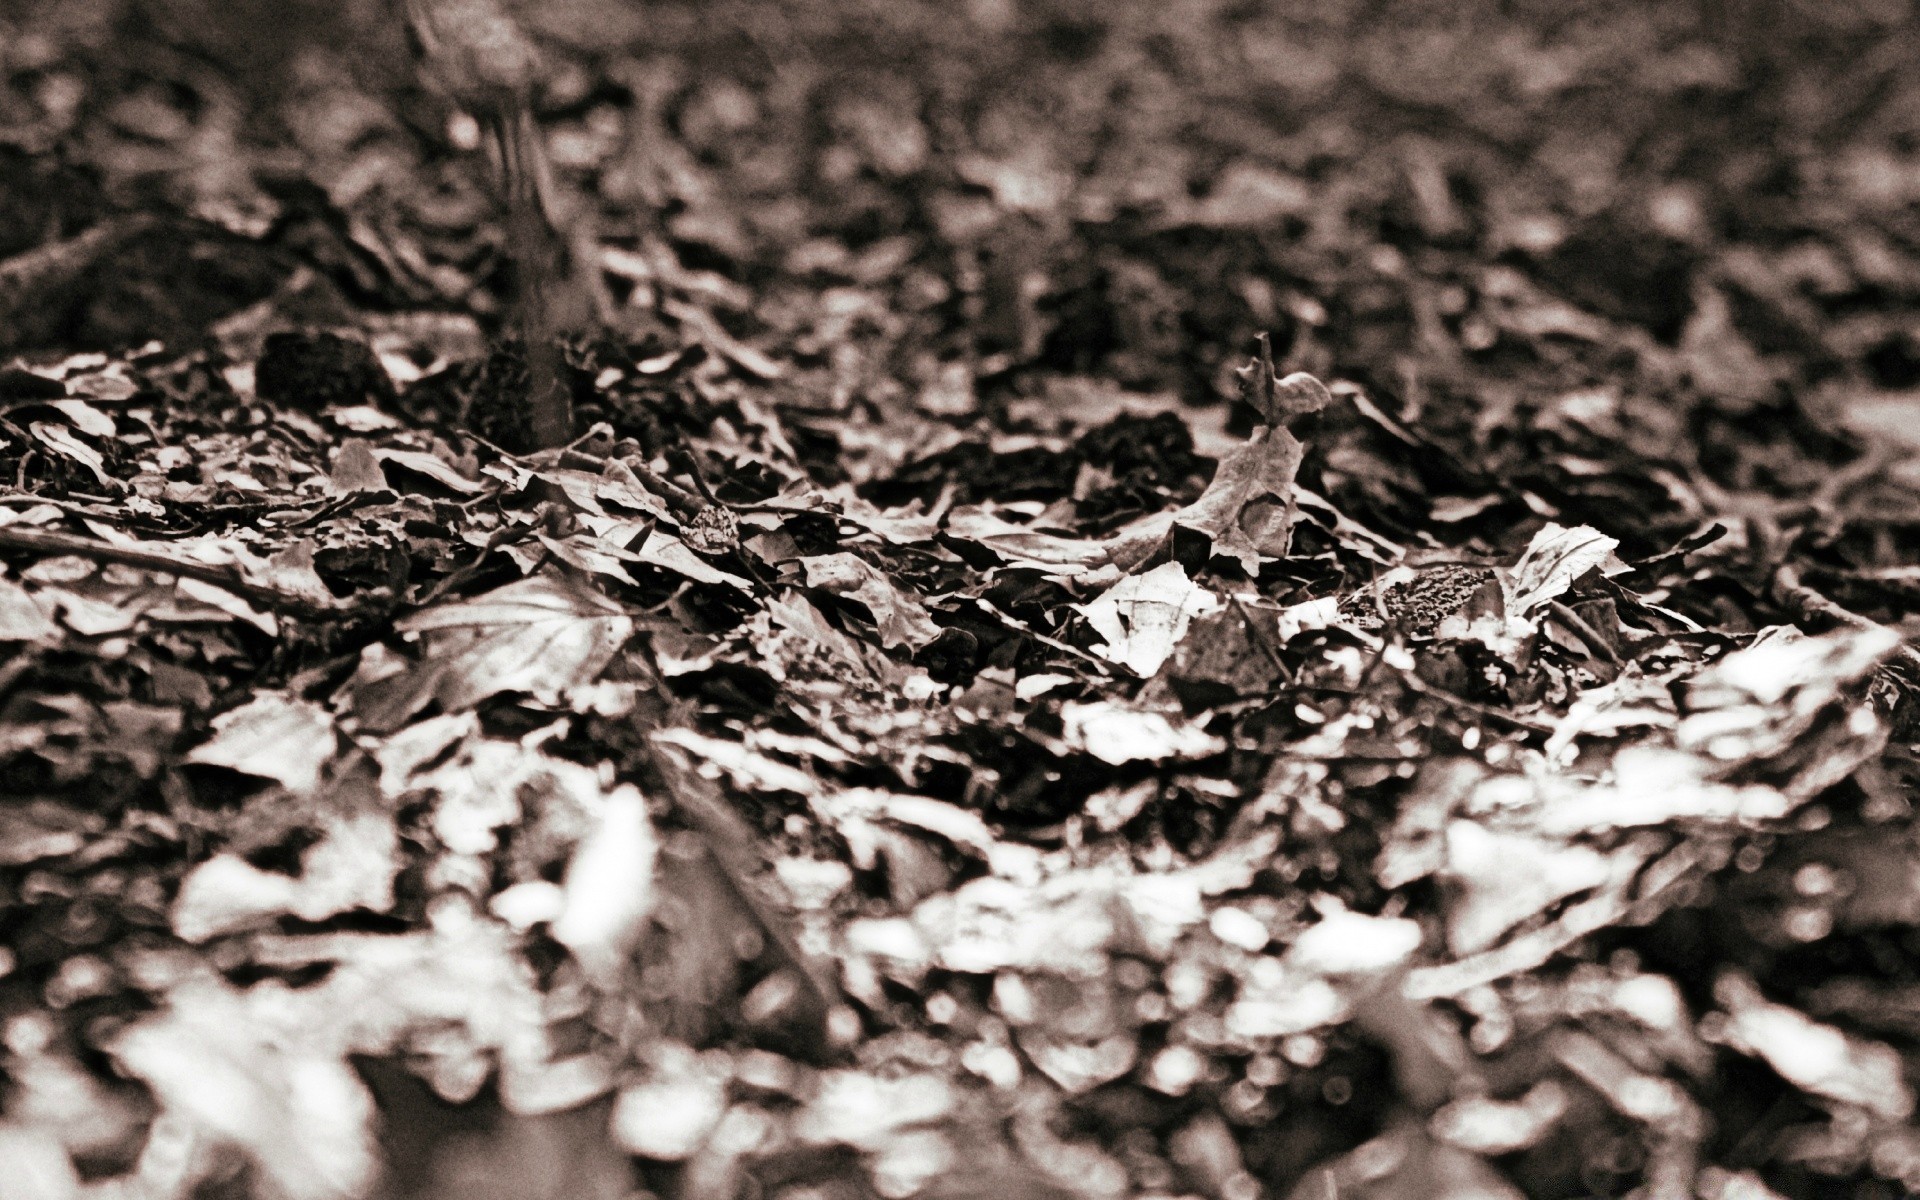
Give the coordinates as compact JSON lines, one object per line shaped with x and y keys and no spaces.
{"x":479,"y":791}
{"x":1405,"y":1163}
{"x":65,"y":445}
{"x":900,"y":618}
{"x":1060,"y":556}
{"x":1247,"y":510}
{"x":1502,"y":878}
{"x":1250,"y":195}
{"x":216,"y":597}
{"x":1279,"y":400}
{"x":21,"y":619}
{"x":1554,"y":561}
{"x":434,"y":468}
{"x":1486,"y":1126}
{"x":351,"y":867}
{"x":670,"y":1115}
{"x":746,"y":767}
{"x":1143,"y":617}
{"x":670,"y":553}
{"x":1117,"y":733}
{"x":608,"y":888}
{"x":227,"y":1064}
{"x":1756,"y":701}
{"x":542,"y":635}
{"x":1813,"y":1057}
{"x":356,"y":469}
{"x":37,"y":1165}
{"x":863,"y":1110}
{"x":274,"y":736}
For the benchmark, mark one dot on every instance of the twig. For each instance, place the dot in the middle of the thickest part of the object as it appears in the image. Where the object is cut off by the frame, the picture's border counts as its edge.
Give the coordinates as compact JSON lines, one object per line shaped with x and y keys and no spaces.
{"x":24,"y":276}
{"x":692,"y":464}
{"x":685,"y":504}
{"x":48,"y":542}
{"x":1421,"y":686}
{"x":1530,"y":950}
{"x":1834,"y":487}
{"x":91,"y":508}
{"x":1260,"y":639}
{"x":466,"y":571}
{"x":1099,"y":664}
{"x":1597,"y":645}
{"x":1803,"y":602}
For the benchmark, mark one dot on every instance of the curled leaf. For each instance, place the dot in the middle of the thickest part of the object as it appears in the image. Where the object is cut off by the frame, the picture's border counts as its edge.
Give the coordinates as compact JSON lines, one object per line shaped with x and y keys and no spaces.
{"x":1279,"y":400}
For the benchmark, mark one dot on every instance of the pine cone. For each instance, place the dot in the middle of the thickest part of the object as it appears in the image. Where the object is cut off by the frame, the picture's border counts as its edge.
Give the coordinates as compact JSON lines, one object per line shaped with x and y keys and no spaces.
{"x":1420,"y":604}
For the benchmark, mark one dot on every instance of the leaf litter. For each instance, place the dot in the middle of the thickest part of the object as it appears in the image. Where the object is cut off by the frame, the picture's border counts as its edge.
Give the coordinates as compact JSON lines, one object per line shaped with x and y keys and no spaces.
{"x":971,"y":711}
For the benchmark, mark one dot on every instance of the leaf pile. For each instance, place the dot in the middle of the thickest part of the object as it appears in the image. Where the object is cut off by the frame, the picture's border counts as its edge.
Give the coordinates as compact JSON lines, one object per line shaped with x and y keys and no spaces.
{"x":951,"y":722}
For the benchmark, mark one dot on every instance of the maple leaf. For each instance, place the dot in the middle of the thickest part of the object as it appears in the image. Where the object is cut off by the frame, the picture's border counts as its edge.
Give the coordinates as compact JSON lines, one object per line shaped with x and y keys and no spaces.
{"x":1247,"y":510}
{"x":1278,"y":400}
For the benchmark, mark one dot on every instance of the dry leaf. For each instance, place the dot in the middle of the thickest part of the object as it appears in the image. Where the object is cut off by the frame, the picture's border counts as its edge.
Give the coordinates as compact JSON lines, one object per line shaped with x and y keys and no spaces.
{"x":1143,"y":617}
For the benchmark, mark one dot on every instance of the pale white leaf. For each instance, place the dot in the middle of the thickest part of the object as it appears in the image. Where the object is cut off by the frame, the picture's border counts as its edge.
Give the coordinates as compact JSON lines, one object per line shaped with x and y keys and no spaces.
{"x":609,"y":887}
{"x":667,"y":1119}
{"x":1816,"y":1058}
{"x":670,"y":553}
{"x":1143,"y":617}
{"x":1555,"y":559}
{"x":231,"y":1065}
{"x":746,"y":767}
{"x":36,"y":1165}
{"x":436,"y":469}
{"x":866,"y":1111}
{"x":274,"y":736}
{"x":541,"y":635}
{"x":21,"y":619}
{"x":1116,"y":733}
{"x":351,"y":867}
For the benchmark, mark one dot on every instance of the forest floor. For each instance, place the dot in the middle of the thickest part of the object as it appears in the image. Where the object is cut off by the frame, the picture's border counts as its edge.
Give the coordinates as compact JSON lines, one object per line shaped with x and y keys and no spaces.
{"x":1173,"y":599}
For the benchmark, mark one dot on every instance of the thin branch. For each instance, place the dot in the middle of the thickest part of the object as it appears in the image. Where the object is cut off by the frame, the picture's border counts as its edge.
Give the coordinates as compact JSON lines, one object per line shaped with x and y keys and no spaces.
{"x":1595,"y":643}
{"x":227,"y":577}
{"x":692,"y":463}
{"x":1261,"y":640}
{"x":1804,"y":602}
{"x":1105,"y":668}
{"x":685,"y":504}
{"x":1422,"y":687}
